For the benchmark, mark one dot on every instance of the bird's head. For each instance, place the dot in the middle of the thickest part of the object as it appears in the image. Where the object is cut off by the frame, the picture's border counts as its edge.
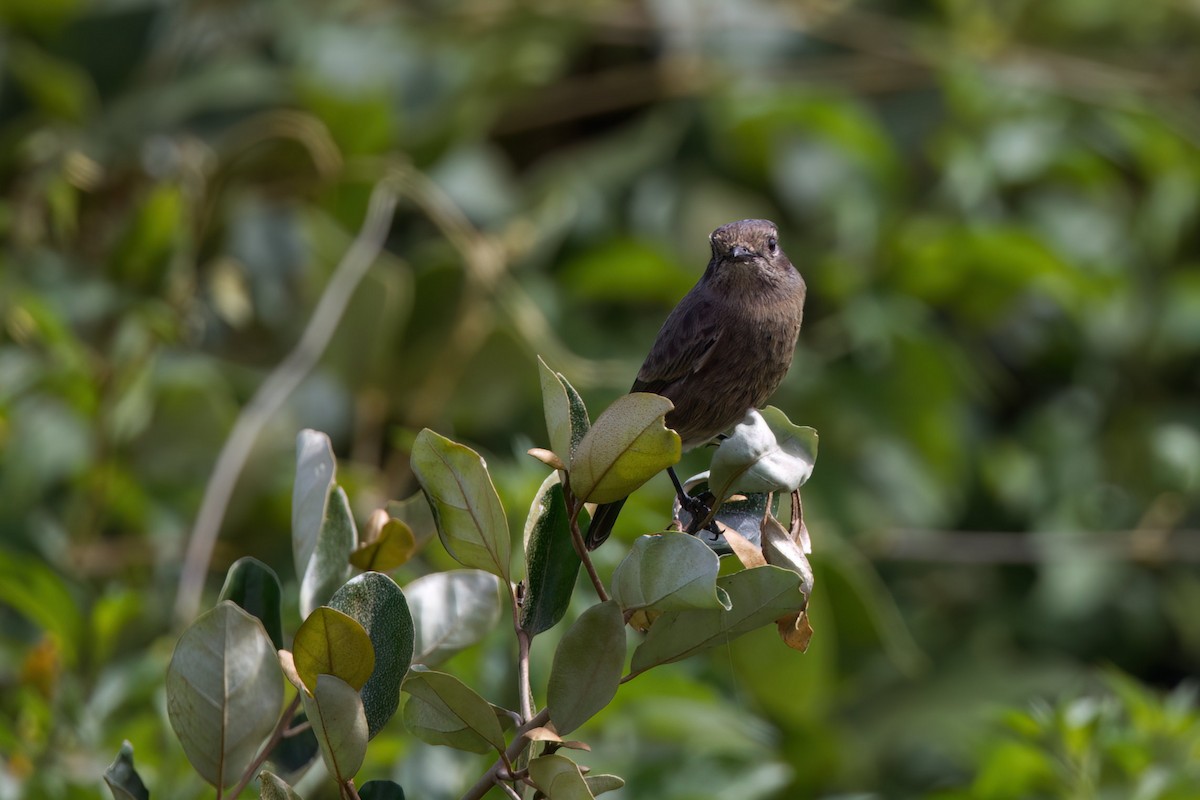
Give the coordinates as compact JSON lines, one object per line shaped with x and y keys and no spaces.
{"x":749,"y":247}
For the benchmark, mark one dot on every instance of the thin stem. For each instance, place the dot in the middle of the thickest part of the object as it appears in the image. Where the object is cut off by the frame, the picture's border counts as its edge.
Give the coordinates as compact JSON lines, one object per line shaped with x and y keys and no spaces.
{"x":276,"y":735}
{"x":515,"y":748}
{"x":348,"y":790}
{"x":582,"y":551}
{"x":508,"y":790}
{"x":523,"y":642}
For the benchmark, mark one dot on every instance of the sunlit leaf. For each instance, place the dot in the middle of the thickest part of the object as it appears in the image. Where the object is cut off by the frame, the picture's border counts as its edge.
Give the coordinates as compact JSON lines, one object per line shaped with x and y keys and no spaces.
{"x":122,"y":779}
{"x":469,"y":516}
{"x":391,"y":550}
{"x":566,"y":416}
{"x":551,"y":562}
{"x":316,"y":470}
{"x":335,"y":710}
{"x":329,"y":566}
{"x":272,"y":787}
{"x":255,"y":587}
{"x":759,"y":596}
{"x":451,"y":611}
{"x":332,"y":643}
{"x":376,"y":602}
{"x":223,"y":692}
{"x":764,"y":453}
{"x":628,"y":444}
{"x":443,"y":710}
{"x":559,"y":778}
{"x":587,"y":666}
{"x":668,"y":571}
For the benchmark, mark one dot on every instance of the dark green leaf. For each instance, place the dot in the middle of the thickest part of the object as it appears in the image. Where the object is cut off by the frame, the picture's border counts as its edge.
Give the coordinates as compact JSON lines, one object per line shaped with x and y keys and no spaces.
{"x":122,"y":779}
{"x":377,"y":603}
{"x":255,"y":587}
{"x":551,"y":562}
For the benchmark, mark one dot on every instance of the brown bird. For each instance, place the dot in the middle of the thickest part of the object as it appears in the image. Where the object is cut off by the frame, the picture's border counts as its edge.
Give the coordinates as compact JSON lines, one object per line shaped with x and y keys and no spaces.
{"x":727,"y":345}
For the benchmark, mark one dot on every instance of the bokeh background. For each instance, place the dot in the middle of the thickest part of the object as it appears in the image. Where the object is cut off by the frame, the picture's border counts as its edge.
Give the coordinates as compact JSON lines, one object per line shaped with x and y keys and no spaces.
{"x":995,"y":205}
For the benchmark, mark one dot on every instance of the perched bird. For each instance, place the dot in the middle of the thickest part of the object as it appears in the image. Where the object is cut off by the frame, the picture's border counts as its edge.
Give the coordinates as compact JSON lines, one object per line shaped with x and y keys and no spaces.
{"x":727,"y":345}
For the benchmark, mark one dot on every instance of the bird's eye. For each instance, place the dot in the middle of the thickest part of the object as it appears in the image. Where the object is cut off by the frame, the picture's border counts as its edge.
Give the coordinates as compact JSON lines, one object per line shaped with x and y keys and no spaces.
{"x":772,"y":244}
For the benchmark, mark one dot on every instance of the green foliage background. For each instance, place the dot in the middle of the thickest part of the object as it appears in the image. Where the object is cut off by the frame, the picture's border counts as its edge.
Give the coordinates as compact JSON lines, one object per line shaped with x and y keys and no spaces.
{"x":995,"y":206}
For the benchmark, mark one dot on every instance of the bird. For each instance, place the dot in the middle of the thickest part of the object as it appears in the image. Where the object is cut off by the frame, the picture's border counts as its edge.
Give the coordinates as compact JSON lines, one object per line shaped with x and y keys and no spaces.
{"x":726,"y":346}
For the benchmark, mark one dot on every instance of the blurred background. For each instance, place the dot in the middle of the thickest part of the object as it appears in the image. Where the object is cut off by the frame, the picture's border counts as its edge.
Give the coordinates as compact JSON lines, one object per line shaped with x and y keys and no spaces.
{"x":995,"y":207}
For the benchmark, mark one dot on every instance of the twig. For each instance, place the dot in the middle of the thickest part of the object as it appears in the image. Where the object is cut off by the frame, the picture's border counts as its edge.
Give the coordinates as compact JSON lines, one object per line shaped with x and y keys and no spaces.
{"x":275,"y":390}
{"x":515,"y":748}
{"x":523,"y":641}
{"x":276,"y":735}
{"x":577,"y":540}
{"x":348,"y":790}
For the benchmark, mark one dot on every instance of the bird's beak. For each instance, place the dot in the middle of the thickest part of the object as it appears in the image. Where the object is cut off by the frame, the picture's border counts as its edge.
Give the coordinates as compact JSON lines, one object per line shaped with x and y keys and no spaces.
{"x":739,"y":253}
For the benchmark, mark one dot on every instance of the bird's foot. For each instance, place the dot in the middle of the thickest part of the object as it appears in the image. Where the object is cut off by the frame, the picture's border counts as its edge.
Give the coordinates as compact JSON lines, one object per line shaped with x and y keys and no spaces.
{"x":699,"y":511}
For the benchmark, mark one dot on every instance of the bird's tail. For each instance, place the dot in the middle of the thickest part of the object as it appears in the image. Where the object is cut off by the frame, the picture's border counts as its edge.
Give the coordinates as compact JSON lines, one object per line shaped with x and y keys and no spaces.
{"x":602,"y":523}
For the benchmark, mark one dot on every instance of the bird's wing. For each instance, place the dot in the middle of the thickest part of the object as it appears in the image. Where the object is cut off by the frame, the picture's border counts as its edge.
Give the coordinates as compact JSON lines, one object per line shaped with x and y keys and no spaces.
{"x":684,"y":344}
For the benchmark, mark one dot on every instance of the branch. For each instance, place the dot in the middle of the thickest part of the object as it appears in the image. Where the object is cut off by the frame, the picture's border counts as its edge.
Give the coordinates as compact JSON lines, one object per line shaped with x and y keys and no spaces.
{"x":276,"y":735}
{"x":515,"y":748}
{"x":274,"y":391}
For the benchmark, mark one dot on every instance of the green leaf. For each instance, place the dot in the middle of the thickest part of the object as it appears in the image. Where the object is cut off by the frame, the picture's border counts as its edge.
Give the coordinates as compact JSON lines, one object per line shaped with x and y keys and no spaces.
{"x":332,"y":643}
{"x":335,"y":710}
{"x":316,"y":471}
{"x":329,"y":566}
{"x":392,"y":550}
{"x":551,"y":563}
{"x":667,"y":572}
{"x":255,"y":587}
{"x":566,"y":415}
{"x":223,"y":692}
{"x":451,"y":611}
{"x":599,"y":784}
{"x":376,"y":602}
{"x":323,"y":532}
{"x":380,"y":790}
{"x":470,"y":519}
{"x":122,"y":779}
{"x":559,"y":778}
{"x":759,"y":596}
{"x":272,"y":787}
{"x":443,"y":710}
{"x":764,"y":453}
{"x":628,"y":445}
{"x":587,"y":666}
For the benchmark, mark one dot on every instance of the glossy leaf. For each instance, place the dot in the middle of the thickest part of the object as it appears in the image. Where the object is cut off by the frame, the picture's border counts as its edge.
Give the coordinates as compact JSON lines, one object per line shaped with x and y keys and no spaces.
{"x":559,"y":778}
{"x":759,"y":596}
{"x":566,"y":416}
{"x":470,"y":519}
{"x":339,"y":722}
{"x":122,"y":779}
{"x":765,"y":452}
{"x":551,"y":563}
{"x":329,"y":566}
{"x":587,"y":666}
{"x":223,"y":692}
{"x":668,"y":571}
{"x":443,"y":710}
{"x":627,"y":446}
{"x":451,"y":611}
{"x":376,"y":602}
{"x":255,"y":588}
{"x":272,"y":787}
{"x":315,"y":473}
{"x":391,"y":550}
{"x":330,"y":642}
